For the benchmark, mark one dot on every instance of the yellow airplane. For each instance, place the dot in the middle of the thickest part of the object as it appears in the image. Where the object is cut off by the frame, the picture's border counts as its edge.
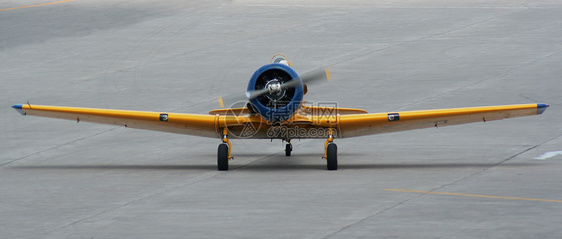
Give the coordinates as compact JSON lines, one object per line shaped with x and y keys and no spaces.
{"x":273,"y":108}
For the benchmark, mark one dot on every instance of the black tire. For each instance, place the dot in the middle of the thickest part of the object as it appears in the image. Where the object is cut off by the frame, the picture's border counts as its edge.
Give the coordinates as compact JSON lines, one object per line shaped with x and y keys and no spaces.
{"x":288,"y":149}
{"x":222,"y":157}
{"x":332,"y":153}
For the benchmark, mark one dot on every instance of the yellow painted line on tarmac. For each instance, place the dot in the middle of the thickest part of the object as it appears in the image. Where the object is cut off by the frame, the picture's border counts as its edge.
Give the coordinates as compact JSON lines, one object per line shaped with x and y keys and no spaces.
{"x":473,"y":195}
{"x":36,"y":5}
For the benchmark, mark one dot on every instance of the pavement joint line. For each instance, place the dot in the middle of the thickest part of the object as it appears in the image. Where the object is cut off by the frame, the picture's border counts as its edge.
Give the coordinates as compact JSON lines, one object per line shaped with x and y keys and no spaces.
{"x":529,"y":149}
{"x":36,"y":5}
{"x":495,"y":165}
{"x":345,"y":227}
{"x":136,"y":200}
{"x":424,"y":37}
{"x":473,"y":195}
{"x":58,"y":146}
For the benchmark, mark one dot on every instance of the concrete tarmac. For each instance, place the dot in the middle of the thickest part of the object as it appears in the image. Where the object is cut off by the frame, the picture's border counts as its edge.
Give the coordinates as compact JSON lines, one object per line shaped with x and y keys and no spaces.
{"x":500,"y":179}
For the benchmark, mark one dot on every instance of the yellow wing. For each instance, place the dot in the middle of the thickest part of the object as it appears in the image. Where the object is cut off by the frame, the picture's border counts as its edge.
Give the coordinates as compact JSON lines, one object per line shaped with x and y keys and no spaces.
{"x":347,"y":123}
{"x":191,"y":124}
{"x":378,"y":123}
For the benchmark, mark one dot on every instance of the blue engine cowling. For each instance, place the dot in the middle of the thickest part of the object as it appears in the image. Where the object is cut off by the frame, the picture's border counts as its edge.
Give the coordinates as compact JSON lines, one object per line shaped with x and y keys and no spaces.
{"x":279,"y":106}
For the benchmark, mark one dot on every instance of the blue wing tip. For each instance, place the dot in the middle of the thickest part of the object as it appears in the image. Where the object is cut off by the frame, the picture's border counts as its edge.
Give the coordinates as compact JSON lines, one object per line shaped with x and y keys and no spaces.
{"x":19,"y":109}
{"x":541,"y":108}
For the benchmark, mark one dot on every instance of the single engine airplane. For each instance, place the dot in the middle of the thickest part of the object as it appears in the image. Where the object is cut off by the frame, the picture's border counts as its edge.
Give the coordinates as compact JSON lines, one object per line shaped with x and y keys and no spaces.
{"x":273,"y":108}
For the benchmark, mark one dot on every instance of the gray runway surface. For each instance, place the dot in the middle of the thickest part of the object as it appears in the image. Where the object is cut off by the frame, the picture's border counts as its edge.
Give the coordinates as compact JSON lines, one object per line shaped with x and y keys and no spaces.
{"x":60,"y":179}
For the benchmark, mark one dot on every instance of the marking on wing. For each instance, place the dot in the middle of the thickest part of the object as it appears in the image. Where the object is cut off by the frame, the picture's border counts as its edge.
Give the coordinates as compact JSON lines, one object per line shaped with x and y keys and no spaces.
{"x":393,"y":116}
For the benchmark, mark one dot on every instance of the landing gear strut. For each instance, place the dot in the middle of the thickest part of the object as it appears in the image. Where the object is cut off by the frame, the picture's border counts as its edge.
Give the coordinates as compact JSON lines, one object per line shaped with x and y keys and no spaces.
{"x":223,"y":154}
{"x":331,"y":152}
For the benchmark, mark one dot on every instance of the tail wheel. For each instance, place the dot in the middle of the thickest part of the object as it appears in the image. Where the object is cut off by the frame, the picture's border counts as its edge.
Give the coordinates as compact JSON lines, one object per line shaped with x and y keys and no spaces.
{"x":222,"y":157}
{"x":332,"y":156}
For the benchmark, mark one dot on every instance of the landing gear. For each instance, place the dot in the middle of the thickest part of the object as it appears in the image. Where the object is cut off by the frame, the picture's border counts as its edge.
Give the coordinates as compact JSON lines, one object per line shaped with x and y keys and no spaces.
{"x":288,"y":149}
{"x":332,"y":159}
{"x":222,"y":157}
{"x":223,"y":154}
{"x":331,"y":152}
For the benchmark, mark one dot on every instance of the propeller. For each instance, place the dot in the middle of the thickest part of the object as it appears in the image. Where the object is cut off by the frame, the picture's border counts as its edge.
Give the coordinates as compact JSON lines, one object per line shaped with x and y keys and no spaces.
{"x":307,"y":78}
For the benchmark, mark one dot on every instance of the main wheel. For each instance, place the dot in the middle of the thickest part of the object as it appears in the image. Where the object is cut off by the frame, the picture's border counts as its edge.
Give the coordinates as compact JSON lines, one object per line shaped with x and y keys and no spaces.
{"x":332,"y":153}
{"x":288,"y":149}
{"x":222,"y":157}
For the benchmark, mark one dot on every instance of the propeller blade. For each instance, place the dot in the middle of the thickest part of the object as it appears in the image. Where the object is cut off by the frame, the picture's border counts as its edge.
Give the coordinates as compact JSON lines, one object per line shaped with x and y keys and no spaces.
{"x":316,"y":76}
{"x":254,"y":94}
{"x":306,"y":78}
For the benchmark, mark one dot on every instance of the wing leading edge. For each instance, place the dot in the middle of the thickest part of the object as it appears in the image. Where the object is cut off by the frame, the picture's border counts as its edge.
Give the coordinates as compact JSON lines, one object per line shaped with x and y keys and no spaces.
{"x":379,"y":123}
{"x":191,"y":124}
